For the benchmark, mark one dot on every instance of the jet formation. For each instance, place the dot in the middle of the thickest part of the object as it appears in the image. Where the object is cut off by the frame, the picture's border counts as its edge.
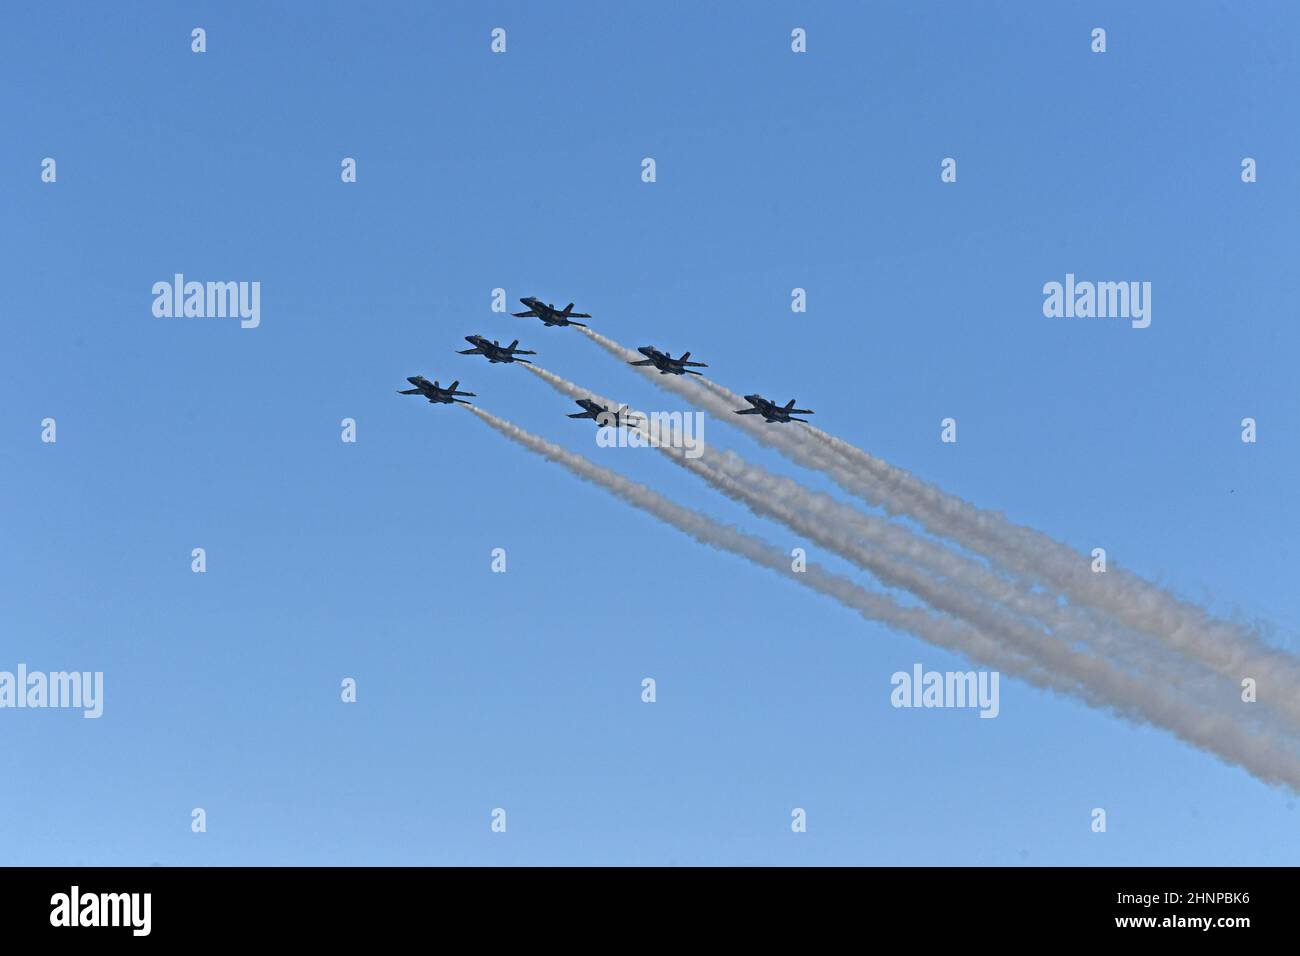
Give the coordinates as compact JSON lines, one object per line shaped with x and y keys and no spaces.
{"x":496,"y":353}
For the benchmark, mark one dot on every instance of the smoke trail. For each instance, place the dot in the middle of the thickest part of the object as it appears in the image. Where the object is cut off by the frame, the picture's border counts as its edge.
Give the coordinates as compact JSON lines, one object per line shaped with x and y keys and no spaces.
{"x":924,"y":624}
{"x":1212,"y":728}
{"x":1230,"y":651}
{"x":1212,"y":732}
{"x":1079,"y":626}
{"x":899,"y":541}
{"x":565,"y":387}
{"x":892,"y":573}
{"x":1092,"y":681}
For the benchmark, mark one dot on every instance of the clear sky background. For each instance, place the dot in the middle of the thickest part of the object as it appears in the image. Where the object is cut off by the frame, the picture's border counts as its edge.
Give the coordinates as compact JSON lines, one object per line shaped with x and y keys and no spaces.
{"x":522,"y":171}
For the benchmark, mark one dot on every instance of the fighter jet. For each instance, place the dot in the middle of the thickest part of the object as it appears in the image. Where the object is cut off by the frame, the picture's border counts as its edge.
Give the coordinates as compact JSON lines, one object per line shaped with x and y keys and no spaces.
{"x":548,"y":313}
{"x":666,"y":364}
{"x":603,"y":416}
{"x":495,"y":351}
{"x":772,"y":412}
{"x":435,"y":392}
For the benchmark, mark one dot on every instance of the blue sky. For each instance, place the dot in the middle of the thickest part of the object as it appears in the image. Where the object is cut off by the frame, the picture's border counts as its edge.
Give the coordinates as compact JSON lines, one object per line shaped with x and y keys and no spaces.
{"x":522,"y":171}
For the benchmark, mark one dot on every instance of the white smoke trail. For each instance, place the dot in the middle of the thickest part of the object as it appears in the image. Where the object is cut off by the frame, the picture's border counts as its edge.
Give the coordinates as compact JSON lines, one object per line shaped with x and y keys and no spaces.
{"x":888,"y":571}
{"x":1075,"y":625}
{"x":933,"y":628}
{"x":1230,"y":651}
{"x":898,"y":541}
{"x":1091,"y":679}
{"x":954,"y":602}
{"x":573,"y":390}
{"x":1213,"y":727}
